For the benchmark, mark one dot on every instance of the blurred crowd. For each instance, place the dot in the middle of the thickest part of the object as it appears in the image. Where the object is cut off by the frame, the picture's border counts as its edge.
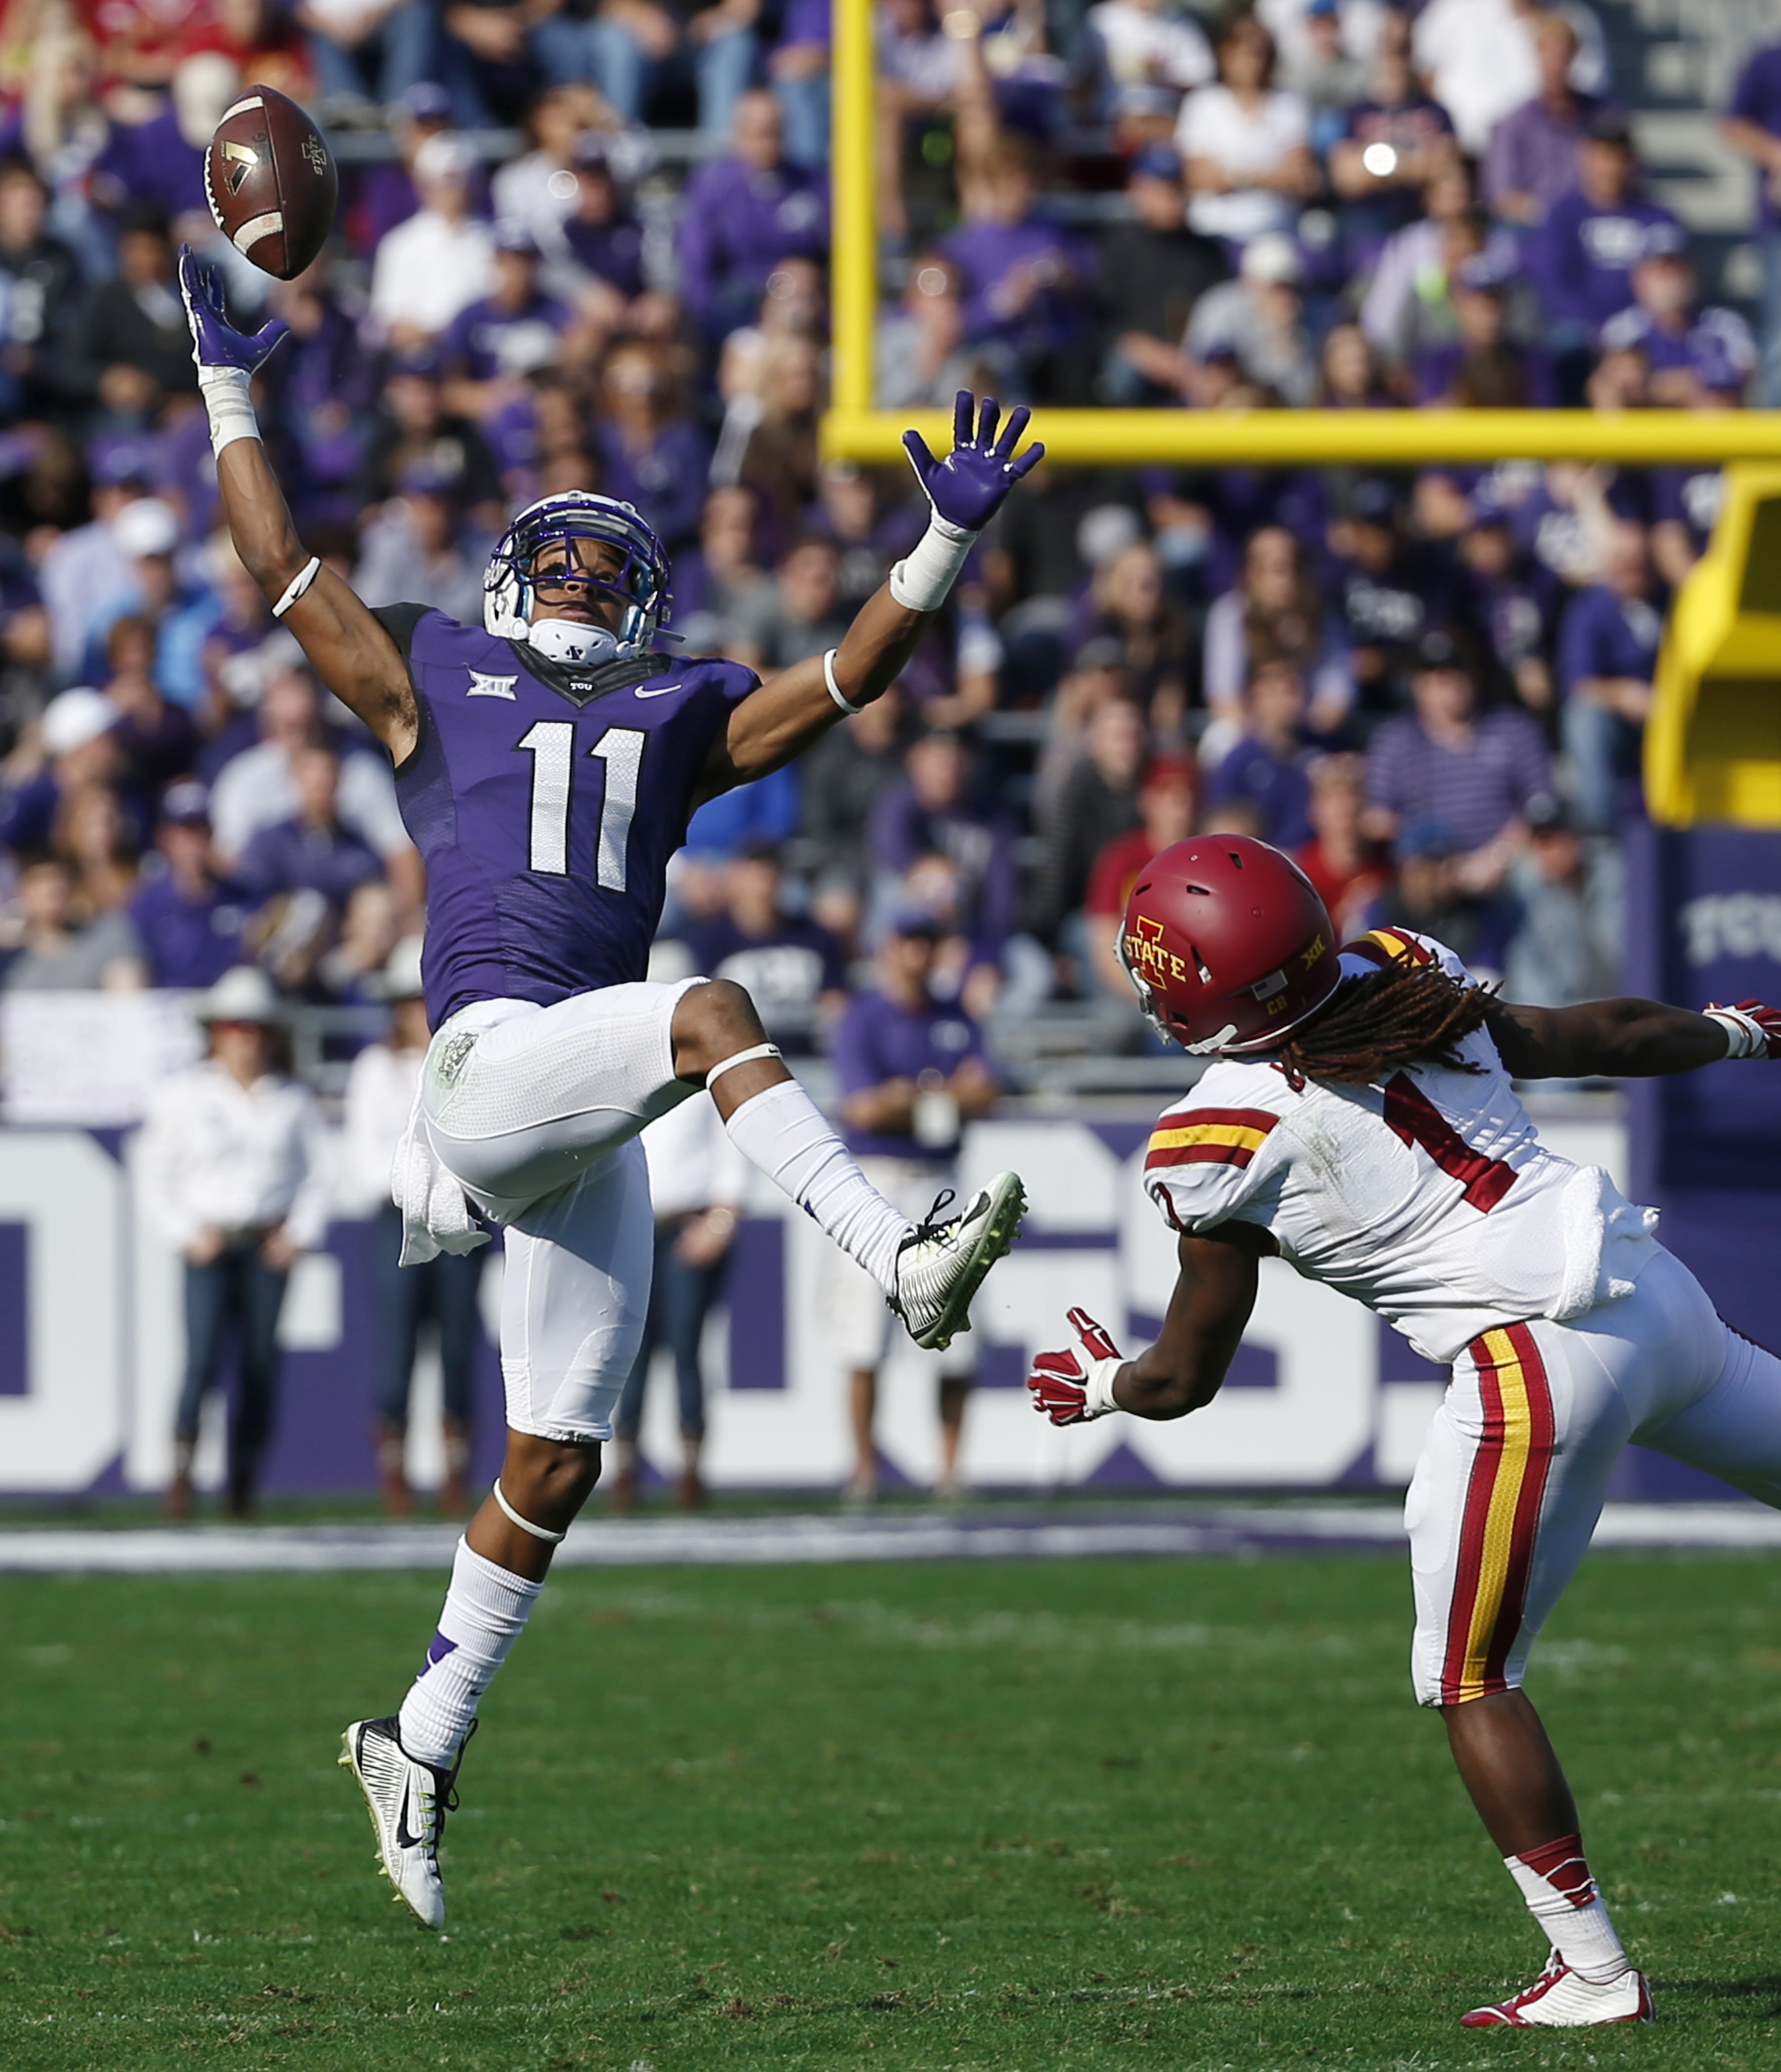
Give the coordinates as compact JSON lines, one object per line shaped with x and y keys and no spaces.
{"x":585,"y":243}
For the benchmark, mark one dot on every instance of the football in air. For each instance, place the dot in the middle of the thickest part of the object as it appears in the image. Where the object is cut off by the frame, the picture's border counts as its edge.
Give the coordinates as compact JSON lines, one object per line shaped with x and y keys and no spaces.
{"x":272,"y":183}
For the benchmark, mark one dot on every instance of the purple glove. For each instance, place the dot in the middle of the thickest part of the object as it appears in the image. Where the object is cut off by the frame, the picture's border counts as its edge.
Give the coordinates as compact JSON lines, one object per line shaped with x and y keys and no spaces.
{"x":215,"y":341}
{"x":966,"y":489}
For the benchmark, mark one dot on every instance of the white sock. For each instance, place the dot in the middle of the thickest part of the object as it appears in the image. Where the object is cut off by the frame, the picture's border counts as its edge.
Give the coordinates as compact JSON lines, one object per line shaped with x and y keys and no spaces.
{"x":782,"y":1130}
{"x":486,"y":1609}
{"x":1561,"y":1896}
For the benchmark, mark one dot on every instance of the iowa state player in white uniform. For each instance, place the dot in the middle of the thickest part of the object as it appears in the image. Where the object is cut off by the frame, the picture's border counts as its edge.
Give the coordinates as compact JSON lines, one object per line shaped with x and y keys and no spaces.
{"x":1359,"y":1122}
{"x":546,"y":764}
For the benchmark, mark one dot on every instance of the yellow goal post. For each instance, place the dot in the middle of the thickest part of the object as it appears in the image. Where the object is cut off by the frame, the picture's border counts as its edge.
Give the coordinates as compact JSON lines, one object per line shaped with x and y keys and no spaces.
{"x":854,"y":428}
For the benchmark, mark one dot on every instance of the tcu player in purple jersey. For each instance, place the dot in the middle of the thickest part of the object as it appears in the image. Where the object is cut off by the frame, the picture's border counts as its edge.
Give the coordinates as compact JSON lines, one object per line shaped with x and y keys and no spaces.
{"x":547,"y":762}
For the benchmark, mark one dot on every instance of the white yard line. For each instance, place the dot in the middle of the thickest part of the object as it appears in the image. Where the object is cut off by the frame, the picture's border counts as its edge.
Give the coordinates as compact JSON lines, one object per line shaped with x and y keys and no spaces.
{"x":628,"y":1543}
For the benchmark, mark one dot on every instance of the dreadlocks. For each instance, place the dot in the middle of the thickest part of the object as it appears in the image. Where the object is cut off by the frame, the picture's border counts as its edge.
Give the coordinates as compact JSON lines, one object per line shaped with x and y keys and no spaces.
{"x":1404,"y":1015}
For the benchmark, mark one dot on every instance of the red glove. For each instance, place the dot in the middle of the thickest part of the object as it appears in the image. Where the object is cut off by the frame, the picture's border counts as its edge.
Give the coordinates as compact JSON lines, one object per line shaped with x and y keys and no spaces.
{"x":1072,"y":1388}
{"x":1754,"y":1030}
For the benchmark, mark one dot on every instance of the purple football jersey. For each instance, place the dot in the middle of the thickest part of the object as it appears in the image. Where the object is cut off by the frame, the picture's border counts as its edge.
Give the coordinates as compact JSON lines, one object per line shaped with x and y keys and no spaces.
{"x":546,"y":816}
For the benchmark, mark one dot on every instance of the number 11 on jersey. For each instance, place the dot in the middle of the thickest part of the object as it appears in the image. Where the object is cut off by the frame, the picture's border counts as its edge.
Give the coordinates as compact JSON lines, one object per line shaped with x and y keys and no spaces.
{"x":551,"y":745}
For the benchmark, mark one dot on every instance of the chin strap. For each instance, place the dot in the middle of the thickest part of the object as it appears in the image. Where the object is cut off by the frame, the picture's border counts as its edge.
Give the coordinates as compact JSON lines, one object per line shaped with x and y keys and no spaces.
{"x":575,"y":646}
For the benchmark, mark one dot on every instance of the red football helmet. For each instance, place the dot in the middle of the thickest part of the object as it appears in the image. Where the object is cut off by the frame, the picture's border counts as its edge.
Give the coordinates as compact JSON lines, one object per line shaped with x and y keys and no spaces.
{"x":1227,"y":943}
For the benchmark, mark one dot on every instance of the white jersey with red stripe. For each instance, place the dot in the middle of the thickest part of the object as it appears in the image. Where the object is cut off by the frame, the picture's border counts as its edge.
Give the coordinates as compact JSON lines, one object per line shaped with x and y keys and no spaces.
{"x":1430,"y":1198}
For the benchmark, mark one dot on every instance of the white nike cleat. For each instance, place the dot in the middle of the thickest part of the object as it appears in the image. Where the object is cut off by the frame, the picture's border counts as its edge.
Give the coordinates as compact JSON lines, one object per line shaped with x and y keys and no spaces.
{"x":409,"y":1801}
{"x":941,"y":1263}
{"x":1559,"y":1999}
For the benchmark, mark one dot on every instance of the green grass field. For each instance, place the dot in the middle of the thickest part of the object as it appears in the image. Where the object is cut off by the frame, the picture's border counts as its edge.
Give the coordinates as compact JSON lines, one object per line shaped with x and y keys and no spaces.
{"x":1111,"y":1814}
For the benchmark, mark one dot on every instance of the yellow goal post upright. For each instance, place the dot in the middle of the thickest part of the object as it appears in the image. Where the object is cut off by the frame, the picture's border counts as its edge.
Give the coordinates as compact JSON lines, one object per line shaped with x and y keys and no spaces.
{"x":1742,"y":729}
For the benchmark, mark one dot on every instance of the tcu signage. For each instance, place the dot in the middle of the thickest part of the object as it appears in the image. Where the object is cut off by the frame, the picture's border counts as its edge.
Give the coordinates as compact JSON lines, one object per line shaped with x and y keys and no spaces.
{"x":91,"y":1344}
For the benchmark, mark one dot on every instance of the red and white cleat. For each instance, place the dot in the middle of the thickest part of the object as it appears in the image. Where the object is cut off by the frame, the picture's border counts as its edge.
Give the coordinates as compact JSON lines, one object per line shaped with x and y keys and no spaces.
{"x":1559,"y":1999}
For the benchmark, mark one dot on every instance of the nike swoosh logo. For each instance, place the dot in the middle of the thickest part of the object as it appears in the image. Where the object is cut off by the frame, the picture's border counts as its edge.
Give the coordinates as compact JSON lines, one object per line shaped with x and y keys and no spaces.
{"x":404,"y":1838}
{"x":661,"y":691}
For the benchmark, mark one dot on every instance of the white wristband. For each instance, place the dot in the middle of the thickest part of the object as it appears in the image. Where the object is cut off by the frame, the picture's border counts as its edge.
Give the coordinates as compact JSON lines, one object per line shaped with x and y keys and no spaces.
{"x":1744,"y":1035}
{"x":921,"y":583}
{"x":835,"y":688}
{"x":228,"y":399}
{"x":1098,"y":1390}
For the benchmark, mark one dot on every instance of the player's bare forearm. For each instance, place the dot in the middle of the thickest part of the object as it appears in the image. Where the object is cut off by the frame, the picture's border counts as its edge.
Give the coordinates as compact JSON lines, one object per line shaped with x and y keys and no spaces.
{"x":784,"y":717}
{"x":1215,"y":1293}
{"x":1604,"y":1038}
{"x":350,"y":651}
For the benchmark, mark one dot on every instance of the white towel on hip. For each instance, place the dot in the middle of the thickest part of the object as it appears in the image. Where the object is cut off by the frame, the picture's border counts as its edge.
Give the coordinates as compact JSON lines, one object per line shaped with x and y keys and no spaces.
{"x":437,"y":1215}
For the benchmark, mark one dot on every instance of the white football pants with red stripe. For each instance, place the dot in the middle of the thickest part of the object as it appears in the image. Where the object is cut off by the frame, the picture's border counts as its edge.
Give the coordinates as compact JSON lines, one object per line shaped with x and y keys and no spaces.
{"x":1517,"y":1464}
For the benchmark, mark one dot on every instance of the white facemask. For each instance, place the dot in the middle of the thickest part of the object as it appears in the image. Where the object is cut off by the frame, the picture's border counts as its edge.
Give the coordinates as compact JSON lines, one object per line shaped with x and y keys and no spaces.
{"x":575,"y":646}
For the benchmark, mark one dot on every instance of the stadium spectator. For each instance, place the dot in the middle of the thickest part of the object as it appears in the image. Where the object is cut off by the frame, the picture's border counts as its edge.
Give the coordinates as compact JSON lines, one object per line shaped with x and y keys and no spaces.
{"x":1025,"y":278}
{"x":1351,"y":874}
{"x":1264,"y":767}
{"x":493,"y":345}
{"x":59,"y":949}
{"x":413,"y":431}
{"x":651,"y":453}
{"x":377,"y":49}
{"x":78,"y":739}
{"x":1157,"y":649}
{"x":441,"y":260}
{"x":935,"y":809}
{"x":96,"y":842}
{"x":1321,"y":68}
{"x":697,"y":1178}
{"x":1415,"y":259}
{"x":797,"y":66}
{"x":1581,"y":259}
{"x":84,"y":562}
{"x":1139,"y":42}
{"x":743,"y":213}
{"x":258,"y":788}
{"x":1692,"y":356}
{"x":1477,"y":367}
{"x":313,"y":851}
{"x":1349,"y":374}
{"x":188,"y":918}
{"x":232,"y":1171}
{"x":1395,"y":139}
{"x":158,"y":742}
{"x":384,"y":195}
{"x":40,"y":279}
{"x":911,"y":1071}
{"x":1453,"y":784}
{"x":1154,"y":271}
{"x":1166,"y":816}
{"x":1256,"y":322}
{"x":798,"y":615}
{"x":1532,"y":157}
{"x":1570,"y":930}
{"x":1274,"y":612}
{"x":920,"y":355}
{"x":1384,"y":586}
{"x":132,"y":350}
{"x":1245,"y":146}
{"x":1097,"y":802}
{"x":416,"y":550}
{"x":379,"y":1098}
{"x":603,"y":247}
{"x":844,"y":775}
{"x":1607,"y":655}
{"x":791,"y":967}
{"x":1753,"y":128}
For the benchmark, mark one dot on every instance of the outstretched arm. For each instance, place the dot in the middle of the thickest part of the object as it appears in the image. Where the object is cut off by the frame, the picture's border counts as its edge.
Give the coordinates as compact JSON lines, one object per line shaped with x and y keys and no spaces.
{"x":1215,"y":1293}
{"x":350,"y":651}
{"x":1627,"y":1039}
{"x":965,"y":490}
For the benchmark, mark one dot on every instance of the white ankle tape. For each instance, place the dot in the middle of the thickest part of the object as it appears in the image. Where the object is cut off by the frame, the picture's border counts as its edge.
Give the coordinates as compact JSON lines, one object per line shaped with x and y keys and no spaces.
{"x":741,"y":1058}
{"x":525,"y":1525}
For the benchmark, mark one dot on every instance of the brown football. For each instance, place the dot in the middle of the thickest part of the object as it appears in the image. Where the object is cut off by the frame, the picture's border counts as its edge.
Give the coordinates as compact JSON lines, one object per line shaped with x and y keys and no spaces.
{"x":271,"y":182}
